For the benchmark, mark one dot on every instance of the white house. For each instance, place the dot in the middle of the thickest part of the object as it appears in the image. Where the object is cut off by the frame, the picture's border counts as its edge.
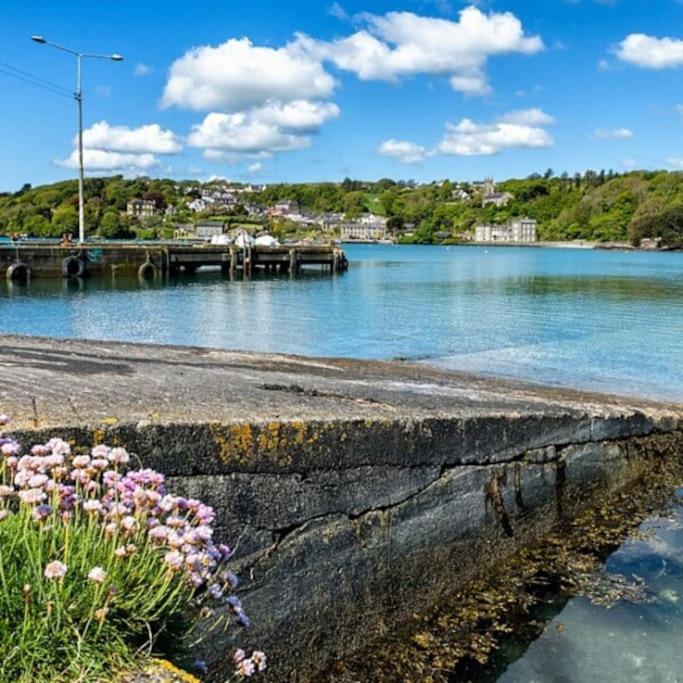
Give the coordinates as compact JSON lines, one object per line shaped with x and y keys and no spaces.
{"x":519,"y":230}
{"x":197,"y":205}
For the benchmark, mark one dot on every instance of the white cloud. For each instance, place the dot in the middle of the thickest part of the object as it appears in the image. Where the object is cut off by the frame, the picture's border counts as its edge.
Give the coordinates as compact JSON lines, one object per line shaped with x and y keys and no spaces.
{"x":338,"y":12}
{"x":237,"y":75}
{"x":145,"y":139}
{"x":227,"y":136}
{"x":255,"y":168}
{"x":299,"y":116}
{"x":403,"y":44}
{"x":469,"y":138}
{"x":613,"y":134}
{"x":528,"y":117}
{"x":650,"y":52}
{"x":102,"y":160}
{"x":142,"y":70}
{"x":407,"y":152}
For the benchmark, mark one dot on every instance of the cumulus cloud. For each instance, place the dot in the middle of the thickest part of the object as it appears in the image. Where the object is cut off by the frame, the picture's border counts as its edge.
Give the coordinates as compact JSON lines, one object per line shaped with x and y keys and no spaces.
{"x":237,"y":75}
{"x":262,"y":131}
{"x":255,"y":168}
{"x":151,"y":138}
{"x":300,"y":116}
{"x":103,"y":160}
{"x":398,"y":44}
{"x":650,"y":52}
{"x":517,"y":130}
{"x":521,"y":129}
{"x":225,"y":137}
{"x":407,"y":152}
{"x":613,"y":134}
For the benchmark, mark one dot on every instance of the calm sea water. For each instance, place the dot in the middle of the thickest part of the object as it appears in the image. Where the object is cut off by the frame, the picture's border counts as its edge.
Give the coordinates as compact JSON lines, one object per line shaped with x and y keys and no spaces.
{"x":609,"y":321}
{"x":638,"y":643}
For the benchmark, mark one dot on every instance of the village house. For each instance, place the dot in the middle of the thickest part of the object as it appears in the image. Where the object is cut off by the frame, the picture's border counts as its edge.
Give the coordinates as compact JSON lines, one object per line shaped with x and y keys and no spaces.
{"x":517,"y":230}
{"x":368,"y":228}
{"x":284,"y":208}
{"x":141,"y":208}
{"x":197,"y":205}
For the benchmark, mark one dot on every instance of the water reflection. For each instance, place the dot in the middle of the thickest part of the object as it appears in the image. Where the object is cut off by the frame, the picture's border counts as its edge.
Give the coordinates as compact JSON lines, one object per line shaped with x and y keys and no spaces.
{"x":600,"y":320}
{"x":630,"y":642}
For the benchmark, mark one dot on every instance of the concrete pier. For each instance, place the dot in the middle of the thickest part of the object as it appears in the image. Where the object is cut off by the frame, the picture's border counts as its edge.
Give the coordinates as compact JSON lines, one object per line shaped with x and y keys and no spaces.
{"x":355,"y":493}
{"x":27,"y":260}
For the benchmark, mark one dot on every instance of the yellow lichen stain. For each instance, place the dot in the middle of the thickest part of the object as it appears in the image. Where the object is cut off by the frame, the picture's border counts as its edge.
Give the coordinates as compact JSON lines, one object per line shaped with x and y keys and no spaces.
{"x":235,"y":442}
{"x":177,"y":673}
{"x":98,"y":435}
{"x":111,"y":421}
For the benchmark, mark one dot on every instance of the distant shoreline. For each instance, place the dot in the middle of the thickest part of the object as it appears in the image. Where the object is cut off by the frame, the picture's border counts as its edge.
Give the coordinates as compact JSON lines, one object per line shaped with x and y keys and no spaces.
{"x":573,"y":244}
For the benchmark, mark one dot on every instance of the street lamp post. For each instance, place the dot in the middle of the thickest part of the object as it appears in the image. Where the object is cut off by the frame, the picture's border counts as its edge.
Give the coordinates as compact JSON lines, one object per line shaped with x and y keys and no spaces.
{"x":78,"y":96}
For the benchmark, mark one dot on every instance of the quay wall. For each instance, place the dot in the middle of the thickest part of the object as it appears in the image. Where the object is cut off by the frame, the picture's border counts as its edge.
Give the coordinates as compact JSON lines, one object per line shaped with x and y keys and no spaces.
{"x":354,"y":494}
{"x":153,"y":258}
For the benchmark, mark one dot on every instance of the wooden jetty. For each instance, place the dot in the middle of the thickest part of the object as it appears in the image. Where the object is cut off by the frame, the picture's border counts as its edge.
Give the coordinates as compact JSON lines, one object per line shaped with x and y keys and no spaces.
{"x":22,"y":261}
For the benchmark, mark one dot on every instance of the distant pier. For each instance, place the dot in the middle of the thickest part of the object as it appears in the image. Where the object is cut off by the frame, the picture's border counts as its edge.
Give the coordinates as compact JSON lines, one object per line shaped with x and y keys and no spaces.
{"x":23,"y":261}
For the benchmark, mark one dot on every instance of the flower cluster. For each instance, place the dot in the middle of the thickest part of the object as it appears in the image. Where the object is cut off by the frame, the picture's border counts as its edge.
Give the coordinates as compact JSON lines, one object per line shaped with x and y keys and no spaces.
{"x":247,"y":666}
{"x":53,"y":482}
{"x":131,"y":525}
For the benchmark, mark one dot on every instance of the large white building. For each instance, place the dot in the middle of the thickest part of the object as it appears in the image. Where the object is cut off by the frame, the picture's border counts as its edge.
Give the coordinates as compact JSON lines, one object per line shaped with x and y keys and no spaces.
{"x":517,"y":230}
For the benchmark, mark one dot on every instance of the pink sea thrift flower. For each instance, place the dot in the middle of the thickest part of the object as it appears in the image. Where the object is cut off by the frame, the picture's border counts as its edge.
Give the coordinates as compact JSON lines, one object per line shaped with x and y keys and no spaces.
{"x":10,"y":448}
{"x":118,"y":456}
{"x":37,"y":481}
{"x":92,"y":506}
{"x":97,"y":574}
{"x":174,"y":560}
{"x":4,"y":514}
{"x":55,"y":570}
{"x":32,"y":496}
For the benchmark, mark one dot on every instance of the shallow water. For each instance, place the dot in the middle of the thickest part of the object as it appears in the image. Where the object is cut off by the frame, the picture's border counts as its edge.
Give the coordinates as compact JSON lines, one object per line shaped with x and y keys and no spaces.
{"x":629,"y":642}
{"x":611,"y":321}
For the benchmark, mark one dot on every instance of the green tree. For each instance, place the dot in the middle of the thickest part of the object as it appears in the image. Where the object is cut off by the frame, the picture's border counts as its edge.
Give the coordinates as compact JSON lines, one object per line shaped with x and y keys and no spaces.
{"x":65,"y":219}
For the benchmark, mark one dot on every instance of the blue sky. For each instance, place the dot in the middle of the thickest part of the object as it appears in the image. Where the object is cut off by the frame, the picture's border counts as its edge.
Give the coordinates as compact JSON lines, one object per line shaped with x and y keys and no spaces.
{"x":307,"y":90}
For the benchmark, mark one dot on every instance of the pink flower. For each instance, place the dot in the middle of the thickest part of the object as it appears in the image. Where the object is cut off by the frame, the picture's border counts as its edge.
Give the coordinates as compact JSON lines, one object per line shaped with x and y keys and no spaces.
{"x":174,"y":560}
{"x":97,"y":574}
{"x":58,"y":447}
{"x":4,"y":514}
{"x":259,"y":658}
{"x":118,"y":456}
{"x":81,"y":461}
{"x":32,"y":496}
{"x":100,"y":451}
{"x":6,"y":491}
{"x":10,"y":448}
{"x":4,"y":419}
{"x":37,"y":481}
{"x":55,"y":570}
{"x":92,"y":506}
{"x":245,"y":668}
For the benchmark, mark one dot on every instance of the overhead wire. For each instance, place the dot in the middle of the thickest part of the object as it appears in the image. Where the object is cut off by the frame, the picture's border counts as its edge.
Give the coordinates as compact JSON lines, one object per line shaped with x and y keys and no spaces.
{"x":37,"y":81}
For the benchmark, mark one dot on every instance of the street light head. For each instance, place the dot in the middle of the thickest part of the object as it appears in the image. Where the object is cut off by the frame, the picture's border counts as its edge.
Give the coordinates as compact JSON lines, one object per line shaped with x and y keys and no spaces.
{"x":117,"y":58}
{"x":38,"y":39}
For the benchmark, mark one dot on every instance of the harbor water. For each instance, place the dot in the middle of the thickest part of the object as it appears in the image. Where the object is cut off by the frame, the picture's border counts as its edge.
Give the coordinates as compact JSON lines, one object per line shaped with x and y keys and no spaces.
{"x":601,"y":320}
